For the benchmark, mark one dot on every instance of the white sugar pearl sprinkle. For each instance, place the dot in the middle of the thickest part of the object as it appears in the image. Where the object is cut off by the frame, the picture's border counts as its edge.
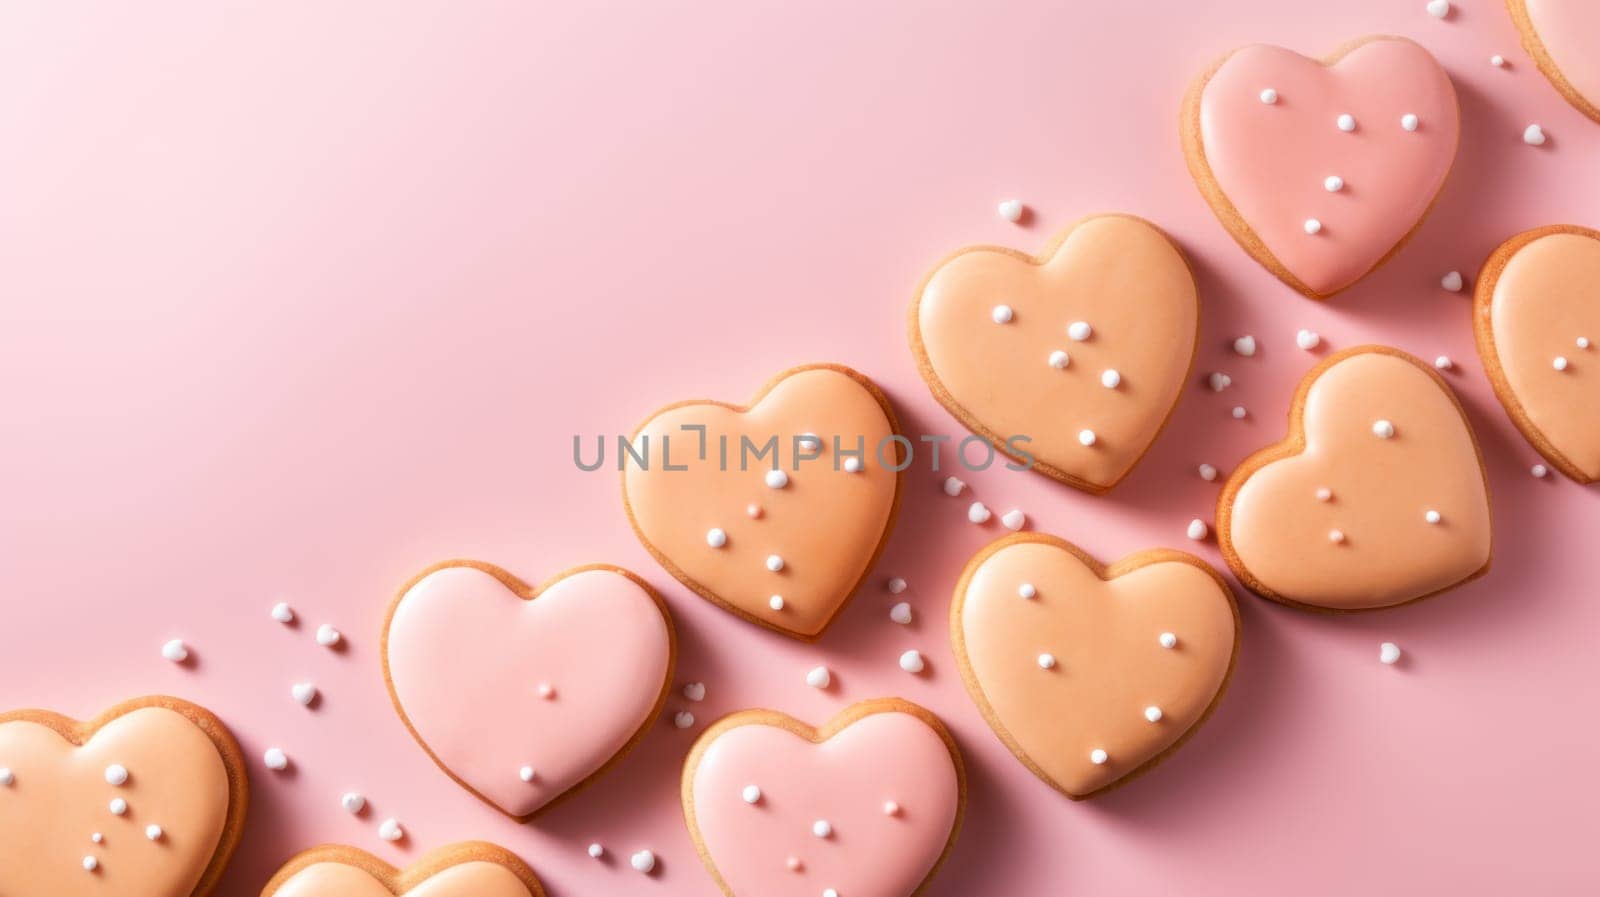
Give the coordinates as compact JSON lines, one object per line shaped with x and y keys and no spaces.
{"x":1432,"y":516}
{"x":118,"y":806}
{"x":1097,"y":757}
{"x":1583,"y":342}
{"x":153,"y":832}
{"x":683,"y":719}
{"x":1167,"y":640}
{"x":1383,"y":429}
{"x":852,"y":464}
{"x":525,"y":773}
{"x":1324,"y":493}
{"x":1533,"y":135}
{"x":1497,"y":61}
{"x":819,"y":677}
{"x":1346,"y":122}
{"x":954,"y":486}
{"x":353,"y":802}
{"x":1409,"y":122}
{"x":97,"y":837}
{"x":1080,"y":330}
{"x":751,"y":794}
{"x":1010,"y":210}
{"x":1452,"y":281}
{"x":1269,"y":96}
{"x":1443,"y":363}
{"x":90,"y":864}
{"x":1559,"y":363}
{"x":1153,"y":713}
{"x":890,"y":808}
{"x":275,"y":759}
{"x":1539,"y":470}
{"x":547,"y":691}
{"x":327,"y":636}
{"x":1197,"y":529}
{"x":1208,"y":473}
{"x":716,"y":538}
{"x":282,"y":612}
{"x":1059,"y":360}
{"x":777,"y":479}
{"x":1239,"y":412}
{"x":694,"y":691}
{"x":977,"y":512}
{"x":116,"y":774}
{"x":1307,"y":340}
{"x":643,"y":861}
{"x":775,"y":602}
{"x":1245,"y":345}
{"x":1388,"y":653}
{"x":1110,"y":378}
{"x":1313,"y":226}
{"x":1047,"y":661}
{"x":597,"y":850}
{"x":1026,"y":590}
{"x":774,"y":562}
{"x":822,"y":828}
{"x":896,"y":585}
{"x":911,"y":661}
{"x":1219,"y":381}
{"x":390,"y":830}
{"x":1002,"y":314}
{"x":1335,"y":536}
{"x":900,"y":613}
{"x":1333,"y":183}
{"x":303,"y":693}
{"x":7,"y":776}
{"x":175,"y":651}
{"x":753,"y":510}
{"x":829,"y":892}
{"x":1086,"y":437}
{"x":1438,"y":8}
{"x":1013,"y":520}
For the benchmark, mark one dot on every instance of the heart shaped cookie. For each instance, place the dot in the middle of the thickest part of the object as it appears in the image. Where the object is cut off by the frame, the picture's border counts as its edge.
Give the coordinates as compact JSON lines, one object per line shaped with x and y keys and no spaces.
{"x":1094,"y":336}
{"x":524,"y":694}
{"x":1090,"y":674}
{"x":1563,"y":37}
{"x":1377,"y":497}
{"x":468,"y":869}
{"x":145,"y":800}
{"x":1322,"y":169}
{"x":1537,"y":318}
{"x":868,"y":805}
{"x":777,"y":510}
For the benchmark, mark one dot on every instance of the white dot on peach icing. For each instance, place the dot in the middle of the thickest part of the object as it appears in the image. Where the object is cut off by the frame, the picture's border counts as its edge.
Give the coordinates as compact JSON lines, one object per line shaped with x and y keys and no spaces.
{"x":1432,"y":516}
{"x":1026,"y":590}
{"x":1345,"y":122}
{"x":1047,"y":661}
{"x":1383,"y":429}
{"x":1110,"y":378}
{"x":1086,"y":437}
{"x":116,"y":774}
{"x":90,"y":864}
{"x":1560,"y":363}
{"x":1269,"y":96}
{"x":1080,"y":330}
{"x":852,"y":464}
{"x":1583,"y":342}
{"x":153,"y":832}
{"x":776,"y":479}
{"x":754,"y":510}
{"x":1313,"y":226}
{"x":1153,"y":713}
{"x":7,"y":776}
{"x":1333,"y":183}
{"x":1059,"y":359}
{"x":775,"y":602}
{"x":1409,"y":122}
{"x":774,"y":563}
{"x":1097,"y":757}
{"x":1001,"y":314}
{"x":118,"y":806}
{"x":1168,"y":640}
{"x":716,"y":537}
{"x":1324,"y":494}
{"x":1335,"y":536}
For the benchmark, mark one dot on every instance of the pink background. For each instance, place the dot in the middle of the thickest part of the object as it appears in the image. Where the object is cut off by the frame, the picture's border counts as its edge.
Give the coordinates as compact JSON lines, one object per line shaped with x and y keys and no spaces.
{"x":298,"y":298}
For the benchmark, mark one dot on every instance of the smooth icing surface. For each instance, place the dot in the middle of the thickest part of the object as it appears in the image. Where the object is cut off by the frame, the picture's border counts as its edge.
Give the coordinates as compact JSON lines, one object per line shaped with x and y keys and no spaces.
{"x":1369,"y":544}
{"x":1104,"y":637}
{"x":59,"y":795}
{"x":844,"y":782}
{"x":1132,"y":292}
{"x":1272,"y":160}
{"x":824,"y":524}
{"x":1570,"y":32}
{"x":466,"y":657}
{"x":474,"y":879}
{"x":1545,"y":300}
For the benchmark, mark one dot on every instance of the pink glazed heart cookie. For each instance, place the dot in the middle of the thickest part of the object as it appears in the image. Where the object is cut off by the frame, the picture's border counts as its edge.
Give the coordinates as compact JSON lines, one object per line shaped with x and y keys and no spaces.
{"x":774,"y":511}
{"x":1321,"y":170}
{"x":866,"y":806}
{"x":1563,"y":37}
{"x":1075,"y":357}
{"x":1091,"y":675}
{"x":468,"y":869}
{"x":524,"y":694}
{"x":1537,"y":319}
{"x":146,"y":800}
{"x":1378,"y":496}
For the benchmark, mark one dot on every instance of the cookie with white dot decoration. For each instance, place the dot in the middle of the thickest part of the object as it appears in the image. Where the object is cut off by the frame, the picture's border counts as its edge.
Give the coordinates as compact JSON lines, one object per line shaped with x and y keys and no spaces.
{"x":465,"y":869}
{"x":1563,"y":37}
{"x":1070,"y":675}
{"x":817,"y":537}
{"x":822,"y":822}
{"x":496,"y":678}
{"x":1378,"y":118}
{"x":1537,"y":316}
{"x":1082,"y":379}
{"x":171,"y":766}
{"x":1335,"y":516}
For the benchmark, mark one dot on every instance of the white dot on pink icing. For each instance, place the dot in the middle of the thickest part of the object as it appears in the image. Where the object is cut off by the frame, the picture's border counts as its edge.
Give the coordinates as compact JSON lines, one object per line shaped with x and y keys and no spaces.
{"x":890,"y":808}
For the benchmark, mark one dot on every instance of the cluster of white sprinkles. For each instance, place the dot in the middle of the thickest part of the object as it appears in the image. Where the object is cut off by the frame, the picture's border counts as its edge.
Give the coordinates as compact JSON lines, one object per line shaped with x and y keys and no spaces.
{"x":1077,"y":331}
{"x":116,"y":775}
{"x":820,"y":828}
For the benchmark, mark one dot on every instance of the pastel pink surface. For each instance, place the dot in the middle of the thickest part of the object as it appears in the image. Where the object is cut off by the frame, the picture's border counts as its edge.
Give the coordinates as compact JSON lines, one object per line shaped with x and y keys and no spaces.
{"x":298,"y":299}
{"x":1570,"y":32}
{"x":1272,"y":159}
{"x":844,"y":781}
{"x":467,"y":656}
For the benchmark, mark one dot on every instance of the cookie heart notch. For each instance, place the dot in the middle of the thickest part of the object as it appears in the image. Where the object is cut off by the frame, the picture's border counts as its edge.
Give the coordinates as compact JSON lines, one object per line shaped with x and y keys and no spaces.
{"x":1090,"y":674}
{"x":1376,"y":498}
{"x":1095,"y":335}
{"x":178,"y":768}
{"x":1321,"y":169}
{"x":774,"y":511}
{"x":869,"y":804}
{"x":522,"y":694}
{"x":1536,"y":316}
{"x":467,"y":869}
{"x":1563,"y":37}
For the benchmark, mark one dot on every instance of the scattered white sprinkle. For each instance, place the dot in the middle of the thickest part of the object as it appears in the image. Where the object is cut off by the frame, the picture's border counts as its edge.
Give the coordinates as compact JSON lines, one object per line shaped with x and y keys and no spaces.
{"x":1333,"y":183}
{"x":822,"y":828}
{"x":775,"y":602}
{"x":282,"y":612}
{"x":1432,"y":516}
{"x":1533,"y":135}
{"x":1335,"y":536}
{"x":1346,"y":122}
{"x":1219,"y":381}
{"x":1583,"y":342}
{"x":327,"y":636}
{"x":1010,"y":210}
{"x":1168,"y":640}
{"x":977,"y":512}
{"x":852,"y":464}
{"x":643,"y":861}
{"x":390,"y":830}
{"x":7,"y":776}
{"x":353,"y":802}
{"x":716,"y":538}
{"x":153,"y":832}
{"x":1080,"y":330}
{"x":597,"y":850}
{"x":275,"y":759}
{"x":1001,"y":314}
{"x":1324,"y":493}
{"x":1097,"y":757}
{"x":175,"y":651}
{"x":1497,"y":61}
{"x":911,"y":661}
{"x":1110,"y":378}
{"x":1269,"y":96}
{"x":1451,"y":281}
{"x":548,"y":692}
{"x":792,"y":864}
{"x":1047,"y":661}
{"x":1026,"y":590}
{"x":896,"y":585}
{"x":1388,"y":652}
{"x":774,"y":562}
{"x":1438,"y":8}
{"x":1307,"y":340}
{"x":751,"y":794}
{"x":900,"y":613}
{"x":829,"y":892}
{"x":1197,"y":529}
{"x":1313,"y":226}
{"x":777,"y":479}
{"x":1086,"y":437}
{"x":525,"y":773}
{"x":694,"y":691}
{"x":1560,"y":363}
{"x":1383,"y":429}
{"x":116,"y":774}
{"x":890,"y":808}
{"x":753,"y":510}
{"x":1409,"y":122}
{"x":303,"y":692}
{"x":1013,"y":519}
{"x":118,"y":806}
{"x":1443,"y":363}
{"x":1059,"y":360}
{"x":90,"y":864}
{"x":1153,"y":713}
{"x":683,"y":719}
{"x":97,"y":837}
{"x":1239,"y":412}
{"x":819,"y":677}
{"x":1540,"y":471}
{"x":1208,"y":473}
{"x":953,"y":486}
{"x":1245,"y":345}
